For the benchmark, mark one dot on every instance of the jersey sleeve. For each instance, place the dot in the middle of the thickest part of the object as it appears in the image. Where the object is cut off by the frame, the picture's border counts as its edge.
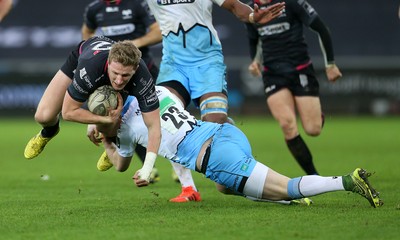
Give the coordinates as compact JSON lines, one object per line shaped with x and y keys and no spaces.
{"x":71,"y":62}
{"x":89,"y":16}
{"x":303,"y":10}
{"x":82,"y":83}
{"x":143,"y":88}
{"x":146,"y":14}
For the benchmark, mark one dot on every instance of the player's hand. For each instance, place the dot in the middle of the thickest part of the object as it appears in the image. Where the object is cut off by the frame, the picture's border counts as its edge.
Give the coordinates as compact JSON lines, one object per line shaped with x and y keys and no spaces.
{"x":264,"y":15}
{"x":255,"y":69}
{"x":115,"y":114}
{"x":333,"y":73}
{"x":93,"y":134}
{"x":138,"y":181}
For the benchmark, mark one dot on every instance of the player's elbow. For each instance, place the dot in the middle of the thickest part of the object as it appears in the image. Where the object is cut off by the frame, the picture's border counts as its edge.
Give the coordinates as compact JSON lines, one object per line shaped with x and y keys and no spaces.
{"x":66,"y":115}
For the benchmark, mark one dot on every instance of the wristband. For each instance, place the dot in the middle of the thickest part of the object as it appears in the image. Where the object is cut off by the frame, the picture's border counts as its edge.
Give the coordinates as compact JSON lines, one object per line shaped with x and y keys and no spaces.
{"x":251,"y":17}
{"x":148,"y":166}
{"x":330,"y":65}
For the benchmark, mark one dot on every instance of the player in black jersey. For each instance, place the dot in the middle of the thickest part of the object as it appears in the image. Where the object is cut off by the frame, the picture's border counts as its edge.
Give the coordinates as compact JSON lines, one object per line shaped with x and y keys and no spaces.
{"x":124,"y":20}
{"x":93,"y":63}
{"x":288,"y":74}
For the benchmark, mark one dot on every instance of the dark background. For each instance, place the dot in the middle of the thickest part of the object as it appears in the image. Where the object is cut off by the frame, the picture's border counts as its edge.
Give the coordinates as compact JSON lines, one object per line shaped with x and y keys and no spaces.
{"x":36,"y":37}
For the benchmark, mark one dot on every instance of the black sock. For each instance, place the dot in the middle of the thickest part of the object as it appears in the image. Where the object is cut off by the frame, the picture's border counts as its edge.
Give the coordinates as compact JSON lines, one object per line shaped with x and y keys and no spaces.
{"x":51,"y":131}
{"x":302,"y":154}
{"x":141,"y":152}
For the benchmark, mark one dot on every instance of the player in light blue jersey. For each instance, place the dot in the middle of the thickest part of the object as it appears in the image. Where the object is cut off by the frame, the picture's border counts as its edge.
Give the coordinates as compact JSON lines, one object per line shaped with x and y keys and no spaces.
{"x":223,"y":154}
{"x":192,"y":65}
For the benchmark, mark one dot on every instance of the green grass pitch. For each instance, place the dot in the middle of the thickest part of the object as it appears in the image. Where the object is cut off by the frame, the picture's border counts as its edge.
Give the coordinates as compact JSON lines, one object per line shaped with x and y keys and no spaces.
{"x":79,"y":202}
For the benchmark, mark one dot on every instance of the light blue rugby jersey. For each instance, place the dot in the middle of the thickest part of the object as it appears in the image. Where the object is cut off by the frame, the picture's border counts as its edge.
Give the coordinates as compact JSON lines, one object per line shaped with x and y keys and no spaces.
{"x":182,"y":134}
{"x":189,"y":37}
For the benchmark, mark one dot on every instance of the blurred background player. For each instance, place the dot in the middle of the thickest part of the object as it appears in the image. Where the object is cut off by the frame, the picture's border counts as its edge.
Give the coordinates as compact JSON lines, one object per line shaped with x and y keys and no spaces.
{"x":5,"y":8}
{"x":124,"y":20}
{"x":288,"y":74}
{"x":223,"y":154}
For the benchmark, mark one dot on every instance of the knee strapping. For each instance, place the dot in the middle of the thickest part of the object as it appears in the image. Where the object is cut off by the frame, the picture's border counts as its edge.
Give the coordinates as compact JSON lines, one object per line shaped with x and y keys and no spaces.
{"x":214,"y":104}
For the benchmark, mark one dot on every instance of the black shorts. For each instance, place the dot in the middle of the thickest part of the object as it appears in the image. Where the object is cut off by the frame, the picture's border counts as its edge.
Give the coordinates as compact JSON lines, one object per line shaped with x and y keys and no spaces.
{"x":300,"y":83}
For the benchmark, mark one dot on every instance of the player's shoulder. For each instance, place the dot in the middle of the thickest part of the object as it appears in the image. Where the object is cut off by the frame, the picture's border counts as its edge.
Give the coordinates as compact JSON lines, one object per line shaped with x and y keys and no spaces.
{"x":95,"y":5}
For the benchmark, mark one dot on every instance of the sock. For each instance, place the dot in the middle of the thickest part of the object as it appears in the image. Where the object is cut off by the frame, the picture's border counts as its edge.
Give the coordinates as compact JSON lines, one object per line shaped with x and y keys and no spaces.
{"x":302,"y":154}
{"x":141,"y":152}
{"x":184,"y":174}
{"x":312,"y":185}
{"x":348,"y":183}
{"x":50,"y":131}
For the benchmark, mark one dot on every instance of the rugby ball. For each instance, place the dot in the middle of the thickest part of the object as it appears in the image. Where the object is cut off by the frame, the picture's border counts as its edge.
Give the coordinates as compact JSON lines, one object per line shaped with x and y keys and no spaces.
{"x":102,"y":99}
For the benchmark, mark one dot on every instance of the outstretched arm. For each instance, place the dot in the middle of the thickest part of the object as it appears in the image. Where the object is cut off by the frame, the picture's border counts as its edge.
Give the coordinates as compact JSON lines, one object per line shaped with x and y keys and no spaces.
{"x":246,"y":14}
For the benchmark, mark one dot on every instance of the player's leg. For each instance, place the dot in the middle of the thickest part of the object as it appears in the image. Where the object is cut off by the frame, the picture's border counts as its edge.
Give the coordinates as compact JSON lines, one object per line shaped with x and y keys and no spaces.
{"x":282,"y":107}
{"x":189,"y":190}
{"x":309,"y":108}
{"x":209,"y":91}
{"x":280,"y":187}
{"x":47,"y":114}
{"x":214,"y":107}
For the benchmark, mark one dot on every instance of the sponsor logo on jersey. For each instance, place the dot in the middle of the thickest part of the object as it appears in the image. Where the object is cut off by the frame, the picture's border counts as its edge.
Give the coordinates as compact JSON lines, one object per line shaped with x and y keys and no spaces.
{"x":172,"y":2}
{"x":100,"y":46}
{"x":112,"y":9}
{"x":151,"y":99}
{"x":118,"y":29}
{"x":127,"y":14}
{"x":273,"y":29}
{"x":78,"y":88}
{"x":82,"y":72}
{"x":83,"y":75}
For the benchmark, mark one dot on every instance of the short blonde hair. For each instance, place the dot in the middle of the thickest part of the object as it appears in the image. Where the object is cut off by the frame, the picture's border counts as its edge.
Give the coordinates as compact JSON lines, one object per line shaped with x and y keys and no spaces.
{"x":125,"y":52}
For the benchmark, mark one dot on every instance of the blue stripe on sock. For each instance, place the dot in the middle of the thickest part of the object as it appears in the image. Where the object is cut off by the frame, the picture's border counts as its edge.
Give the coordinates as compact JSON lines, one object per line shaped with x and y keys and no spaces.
{"x":293,"y":188}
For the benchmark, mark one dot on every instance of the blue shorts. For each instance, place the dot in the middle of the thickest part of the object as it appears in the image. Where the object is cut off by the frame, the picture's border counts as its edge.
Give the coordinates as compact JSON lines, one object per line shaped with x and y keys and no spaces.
{"x":197,"y":80}
{"x":230,"y":162}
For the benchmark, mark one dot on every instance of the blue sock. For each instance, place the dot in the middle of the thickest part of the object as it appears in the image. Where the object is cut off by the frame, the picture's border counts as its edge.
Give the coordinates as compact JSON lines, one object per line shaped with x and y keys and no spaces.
{"x":294,"y":188}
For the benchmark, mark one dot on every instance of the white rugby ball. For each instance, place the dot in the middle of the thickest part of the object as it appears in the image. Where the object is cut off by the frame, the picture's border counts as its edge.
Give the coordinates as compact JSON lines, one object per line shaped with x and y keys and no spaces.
{"x":102,"y":99}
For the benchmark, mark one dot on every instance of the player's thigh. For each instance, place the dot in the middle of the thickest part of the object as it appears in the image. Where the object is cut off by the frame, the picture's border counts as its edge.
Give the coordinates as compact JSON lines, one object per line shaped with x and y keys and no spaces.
{"x":282,"y":106}
{"x":51,"y":102}
{"x":309,"y":109}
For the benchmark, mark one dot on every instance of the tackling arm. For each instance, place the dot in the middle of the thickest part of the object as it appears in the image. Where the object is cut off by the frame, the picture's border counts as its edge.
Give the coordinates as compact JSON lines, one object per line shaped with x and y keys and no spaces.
{"x":152,"y":121}
{"x":72,"y":111}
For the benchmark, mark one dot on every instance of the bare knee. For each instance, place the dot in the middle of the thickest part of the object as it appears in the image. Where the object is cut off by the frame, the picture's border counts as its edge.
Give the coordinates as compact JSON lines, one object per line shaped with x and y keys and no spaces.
{"x":46,"y":118}
{"x":289,"y":127}
{"x":313,"y":129}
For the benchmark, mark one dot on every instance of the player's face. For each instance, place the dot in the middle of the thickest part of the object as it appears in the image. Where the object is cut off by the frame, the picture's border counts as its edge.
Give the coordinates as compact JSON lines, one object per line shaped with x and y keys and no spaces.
{"x":119,"y":74}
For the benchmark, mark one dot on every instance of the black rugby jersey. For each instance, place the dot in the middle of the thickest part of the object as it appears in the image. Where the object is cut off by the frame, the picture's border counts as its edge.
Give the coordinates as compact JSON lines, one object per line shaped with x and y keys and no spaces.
{"x":123,"y":20}
{"x":283,"y":44}
{"x":87,"y":66}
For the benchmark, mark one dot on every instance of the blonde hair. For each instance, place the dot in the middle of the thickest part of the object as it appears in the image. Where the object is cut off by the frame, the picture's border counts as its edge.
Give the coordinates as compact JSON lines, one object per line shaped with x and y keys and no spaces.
{"x":125,"y":52}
